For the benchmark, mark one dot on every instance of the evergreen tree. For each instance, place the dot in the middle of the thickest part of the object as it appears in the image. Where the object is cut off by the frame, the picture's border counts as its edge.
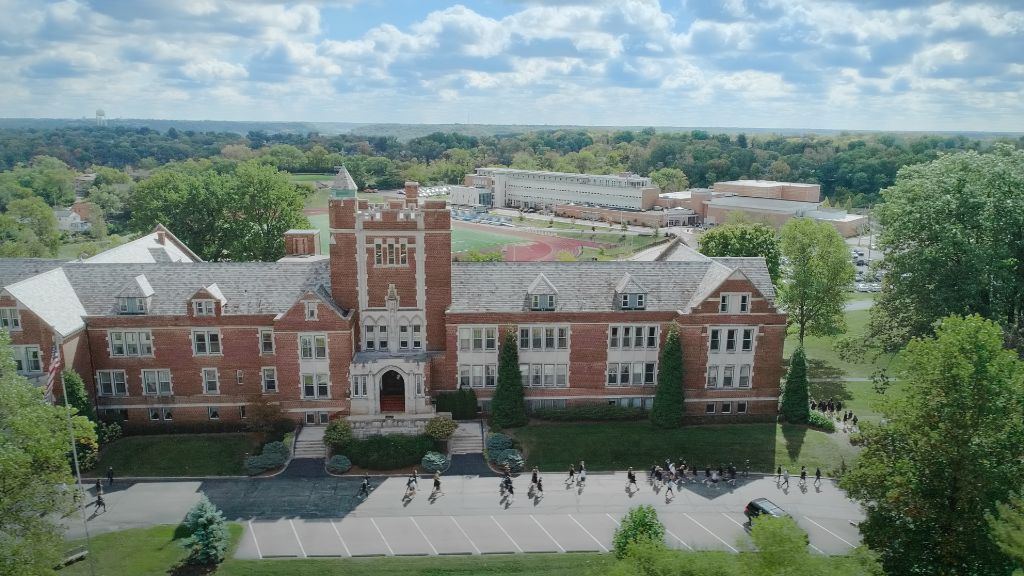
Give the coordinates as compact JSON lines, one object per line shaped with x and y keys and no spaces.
{"x":78,"y":398}
{"x":668,"y":398}
{"x":795,"y":402}
{"x":208,"y":540}
{"x":508,"y":409}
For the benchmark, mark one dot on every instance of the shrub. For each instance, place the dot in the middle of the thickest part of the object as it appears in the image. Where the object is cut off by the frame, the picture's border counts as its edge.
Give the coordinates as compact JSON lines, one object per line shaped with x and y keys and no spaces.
{"x":499,"y":441}
{"x":434,"y":461}
{"x":795,"y":401}
{"x":108,"y":432}
{"x":641,"y":524}
{"x":337,"y":435}
{"x":77,"y":397}
{"x":208,"y":533}
{"x":461,"y":403}
{"x":821,"y":422}
{"x":509,"y":456}
{"x":339,"y":464}
{"x":585,"y":412}
{"x":274,"y":455}
{"x":668,"y":408}
{"x":508,"y":408}
{"x":390,"y":451}
{"x":440,"y":427}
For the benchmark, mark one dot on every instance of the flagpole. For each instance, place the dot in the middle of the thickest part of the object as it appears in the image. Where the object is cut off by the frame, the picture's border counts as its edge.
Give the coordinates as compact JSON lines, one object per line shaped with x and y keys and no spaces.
{"x":54,"y":368}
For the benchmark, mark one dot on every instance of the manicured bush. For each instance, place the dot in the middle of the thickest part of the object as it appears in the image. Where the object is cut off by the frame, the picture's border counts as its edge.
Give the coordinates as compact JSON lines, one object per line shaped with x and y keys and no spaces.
{"x":108,"y":432}
{"x":591,"y":412}
{"x":461,"y":403}
{"x":821,"y":422}
{"x":440,"y":428}
{"x":339,"y":464}
{"x":641,"y":524}
{"x":795,"y":402}
{"x":508,"y":406}
{"x":337,"y":435}
{"x":389,"y":451}
{"x":508,"y":456}
{"x":434,"y":461}
{"x":499,"y":441}
{"x":274,"y":455}
{"x":668,"y":408}
{"x":208,"y":534}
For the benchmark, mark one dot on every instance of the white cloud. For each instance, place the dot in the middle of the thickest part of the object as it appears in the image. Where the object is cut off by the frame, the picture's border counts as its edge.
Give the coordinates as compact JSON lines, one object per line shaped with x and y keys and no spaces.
{"x":212,"y":70}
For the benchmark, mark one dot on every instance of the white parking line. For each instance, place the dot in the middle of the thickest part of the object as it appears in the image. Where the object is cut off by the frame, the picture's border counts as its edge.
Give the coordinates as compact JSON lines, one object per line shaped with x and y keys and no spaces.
{"x":502,"y":528}
{"x":546,"y":532}
{"x":345,"y":546}
{"x":588,"y":533}
{"x":390,"y":551}
{"x":255,"y":541}
{"x":733,"y":520}
{"x":429,"y":543}
{"x":297,"y":539}
{"x":729,"y":546}
{"x":681,"y":541}
{"x":471,"y":543}
{"x":612,"y":518}
{"x":830,"y":532}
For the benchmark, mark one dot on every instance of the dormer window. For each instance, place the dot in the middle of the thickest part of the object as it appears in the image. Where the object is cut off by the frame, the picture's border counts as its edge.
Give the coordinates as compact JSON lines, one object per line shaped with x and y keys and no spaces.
{"x":310,"y":310}
{"x":632,"y":301}
{"x":542,"y":302}
{"x":632,"y":296}
{"x":132,"y":305}
{"x":734,"y":303}
{"x":203,"y":308}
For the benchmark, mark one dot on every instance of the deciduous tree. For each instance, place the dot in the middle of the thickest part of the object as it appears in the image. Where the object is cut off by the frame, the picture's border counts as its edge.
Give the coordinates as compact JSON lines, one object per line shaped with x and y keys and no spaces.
{"x":1007,"y":526}
{"x":815,"y":281}
{"x":508,"y":408}
{"x":77,"y":396}
{"x":670,"y":179}
{"x":949,"y":449}
{"x":745,"y":240}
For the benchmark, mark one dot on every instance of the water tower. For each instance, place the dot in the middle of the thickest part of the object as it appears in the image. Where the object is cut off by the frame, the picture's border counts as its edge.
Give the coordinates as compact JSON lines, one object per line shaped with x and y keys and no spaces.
{"x":101,"y":117}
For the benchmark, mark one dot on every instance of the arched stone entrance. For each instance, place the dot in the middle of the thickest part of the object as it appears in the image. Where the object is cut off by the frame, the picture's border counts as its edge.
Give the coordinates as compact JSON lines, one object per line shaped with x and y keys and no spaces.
{"x":392,"y":392}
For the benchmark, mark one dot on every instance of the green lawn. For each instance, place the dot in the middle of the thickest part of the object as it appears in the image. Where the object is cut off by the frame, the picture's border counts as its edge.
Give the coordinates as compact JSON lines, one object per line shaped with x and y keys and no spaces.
{"x":311,"y":177}
{"x":464,"y":239}
{"x":178,"y":455}
{"x":618,"y":445}
{"x":322,"y":221}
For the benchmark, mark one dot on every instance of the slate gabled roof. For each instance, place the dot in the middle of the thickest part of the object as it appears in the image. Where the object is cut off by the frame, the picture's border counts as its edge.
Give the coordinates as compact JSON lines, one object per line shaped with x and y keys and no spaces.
{"x":541,"y":285}
{"x":13,"y":270}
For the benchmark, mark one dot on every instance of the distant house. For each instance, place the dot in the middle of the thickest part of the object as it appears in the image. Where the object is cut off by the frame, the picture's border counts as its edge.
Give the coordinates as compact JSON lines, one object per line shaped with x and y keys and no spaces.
{"x":71,"y":220}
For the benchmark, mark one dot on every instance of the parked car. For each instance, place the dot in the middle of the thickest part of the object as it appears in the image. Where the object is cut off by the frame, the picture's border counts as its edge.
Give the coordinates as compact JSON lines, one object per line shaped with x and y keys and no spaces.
{"x":861,"y":262}
{"x":760,"y":506}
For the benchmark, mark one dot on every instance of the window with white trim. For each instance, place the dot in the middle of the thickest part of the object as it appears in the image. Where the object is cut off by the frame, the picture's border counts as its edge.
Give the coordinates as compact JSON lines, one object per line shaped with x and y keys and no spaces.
{"x":730,"y":340}
{"x":206,"y":343}
{"x":359,"y":386}
{"x":203,"y":308}
{"x":741,"y":407}
{"x":315,"y":386}
{"x":744,"y":376}
{"x":727,"y":376}
{"x":27,"y":359}
{"x":130,"y":306}
{"x":712,"y":377}
{"x":542,"y":302}
{"x":130,"y":343}
{"x":156,"y":382}
{"x":744,"y":302}
{"x":312,"y":346}
{"x":709,"y":408}
{"x":544,"y":338}
{"x":632,"y":301}
{"x":378,"y":252}
{"x":632,"y":337}
{"x":478,"y":375}
{"x":723,"y":303}
{"x":748,"y":340}
{"x":734,"y":303}
{"x":726,"y":408}
{"x":631,"y":373}
{"x":716,"y":340}
{"x":403,"y":252}
{"x":542,"y":375}
{"x":478,"y":338}
{"x":111,"y":383}
{"x":311,"y":310}
{"x":268,"y":376}
{"x":369,"y":338}
{"x":382,"y":337}
{"x":213,"y":412}
{"x":239,"y":376}
{"x":211,"y":381}
{"x":403,"y":337}
{"x":417,"y":338}
{"x":10,"y":320}
{"x":266,"y":341}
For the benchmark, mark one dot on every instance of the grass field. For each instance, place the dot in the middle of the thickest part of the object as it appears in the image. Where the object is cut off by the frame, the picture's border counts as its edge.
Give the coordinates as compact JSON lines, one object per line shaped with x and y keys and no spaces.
{"x":464,"y":240}
{"x":322,"y":221}
{"x":618,"y":445}
{"x":178,"y":455}
{"x":311,"y":177}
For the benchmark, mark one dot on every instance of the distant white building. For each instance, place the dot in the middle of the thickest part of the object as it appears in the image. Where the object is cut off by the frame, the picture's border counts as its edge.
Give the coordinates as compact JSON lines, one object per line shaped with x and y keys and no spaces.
{"x":70,"y":221}
{"x":469,"y":196}
{"x":513,"y":188}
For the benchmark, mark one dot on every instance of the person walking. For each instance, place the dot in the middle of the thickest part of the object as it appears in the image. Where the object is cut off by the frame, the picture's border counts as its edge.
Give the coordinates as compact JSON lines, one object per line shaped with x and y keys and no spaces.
{"x":803,"y":476}
{"x":583,"y":474}
{"x":510,"y":489}
{"x":631,"y":480}
{"x":364,"y":488}
{"x":572,"y":475}
{"x":410,"y":487}
{"x":437,"y":485}
{"x":658,"y":476}
{"x":110,"y":475}
{"x":100,"y":502}
{"x":669,"y":490}
{"x":785,"y":478}
{"x":540,"y":486}
{"x":99,"y":487}
{"x":778,"y":475}
{"x":534,"y":476}
{"x":817,"y":477}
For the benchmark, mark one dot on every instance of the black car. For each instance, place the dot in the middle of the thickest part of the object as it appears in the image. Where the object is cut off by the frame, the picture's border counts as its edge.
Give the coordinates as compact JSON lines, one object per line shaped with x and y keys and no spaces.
{"x":763,"y":506}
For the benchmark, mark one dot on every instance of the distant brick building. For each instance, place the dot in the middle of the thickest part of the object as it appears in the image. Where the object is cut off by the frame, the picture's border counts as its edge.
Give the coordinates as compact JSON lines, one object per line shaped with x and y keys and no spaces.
{"x":385,"y":322}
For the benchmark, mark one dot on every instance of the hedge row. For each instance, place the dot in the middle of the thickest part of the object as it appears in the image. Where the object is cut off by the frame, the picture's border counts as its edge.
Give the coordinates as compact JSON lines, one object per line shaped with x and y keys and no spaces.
{"x":146,"y":427}
{"x":586,"y":412}
{"x":274,"y":455}
{"x":461,"y":403}
{"x":821,"y":422}
{"x":389,"y":451}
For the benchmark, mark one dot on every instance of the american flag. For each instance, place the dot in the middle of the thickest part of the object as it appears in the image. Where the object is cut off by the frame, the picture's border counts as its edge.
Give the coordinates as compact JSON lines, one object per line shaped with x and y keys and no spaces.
{"x":52,"y":371}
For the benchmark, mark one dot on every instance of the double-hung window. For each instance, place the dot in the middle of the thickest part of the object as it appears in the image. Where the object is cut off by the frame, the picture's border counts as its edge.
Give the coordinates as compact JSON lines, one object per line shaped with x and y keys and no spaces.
{"x":403,"y":337}
{"x":370,"y":340}
{"x":156,"y":382}
{"x":211,"y":381}
{"x":27,"y":359}
{"x":382,"y":337}
{"x":723,"y":303}
{"x":563,"y":338}
{"x":130,"y":343}
{"x":417,"y":340}
{"x":203,"y":308}
{"x":730,"y":340}
{"x":311,"y":311}
{"x":9,"y":319}
{"x":727,"y":375}
{"x":266,"y":341}
{"x":748,"y":340}
{"x":744,"y":303}
{"x":111,"y":383}
{"x":649,"y":371}
{"x":205,"y":343}
{"x":315,"y":386}
{"x":712,"y":377}
{"x":613,"y":336}
{"x":716,"y":343}
{"x":359,"y":386}
{"x":312,"y":347}
{"x":744,"y":376}
{"x":269,"y":377}
{"x":378,"y":253}
{"x":652,"y":336}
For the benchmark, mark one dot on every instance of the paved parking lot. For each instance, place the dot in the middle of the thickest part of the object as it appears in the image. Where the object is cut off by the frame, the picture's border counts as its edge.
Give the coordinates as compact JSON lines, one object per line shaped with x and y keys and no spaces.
{"x":507,"y":533}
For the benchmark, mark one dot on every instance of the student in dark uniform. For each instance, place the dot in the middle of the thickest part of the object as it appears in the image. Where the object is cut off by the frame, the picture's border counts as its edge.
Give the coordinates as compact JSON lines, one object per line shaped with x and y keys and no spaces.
{"x":817,"y":476}
{"x":364,"y":489}
{"x":540,"y":486}
{"x":437,"y":485}
{"x":572,"y":475}
{"x":631,"y":480}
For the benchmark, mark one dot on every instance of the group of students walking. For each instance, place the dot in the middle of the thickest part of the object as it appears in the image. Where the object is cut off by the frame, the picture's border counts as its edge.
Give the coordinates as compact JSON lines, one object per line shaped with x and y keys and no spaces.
{"x":782,"y":477}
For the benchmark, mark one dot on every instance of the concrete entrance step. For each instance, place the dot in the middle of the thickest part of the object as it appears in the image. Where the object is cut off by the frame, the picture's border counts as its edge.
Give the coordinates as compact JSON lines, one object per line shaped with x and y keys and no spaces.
{"x":310,"y":443}
{"x":467,"y":439}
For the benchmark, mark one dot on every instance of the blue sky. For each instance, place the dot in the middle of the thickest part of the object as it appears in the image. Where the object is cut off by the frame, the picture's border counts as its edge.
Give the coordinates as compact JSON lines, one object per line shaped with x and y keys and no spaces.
{"x":867,"y":64}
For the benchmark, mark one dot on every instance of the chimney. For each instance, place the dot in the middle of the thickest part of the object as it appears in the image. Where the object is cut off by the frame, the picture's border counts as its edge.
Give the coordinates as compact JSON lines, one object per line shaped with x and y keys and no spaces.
{"x":302,"y":243}
{"x":161,"y":237}
{"x":412,"y":193}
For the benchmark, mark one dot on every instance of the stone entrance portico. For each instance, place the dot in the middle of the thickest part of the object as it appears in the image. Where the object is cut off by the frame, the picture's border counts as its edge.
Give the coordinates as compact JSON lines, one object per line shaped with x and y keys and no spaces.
{"x":385,"y":383}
